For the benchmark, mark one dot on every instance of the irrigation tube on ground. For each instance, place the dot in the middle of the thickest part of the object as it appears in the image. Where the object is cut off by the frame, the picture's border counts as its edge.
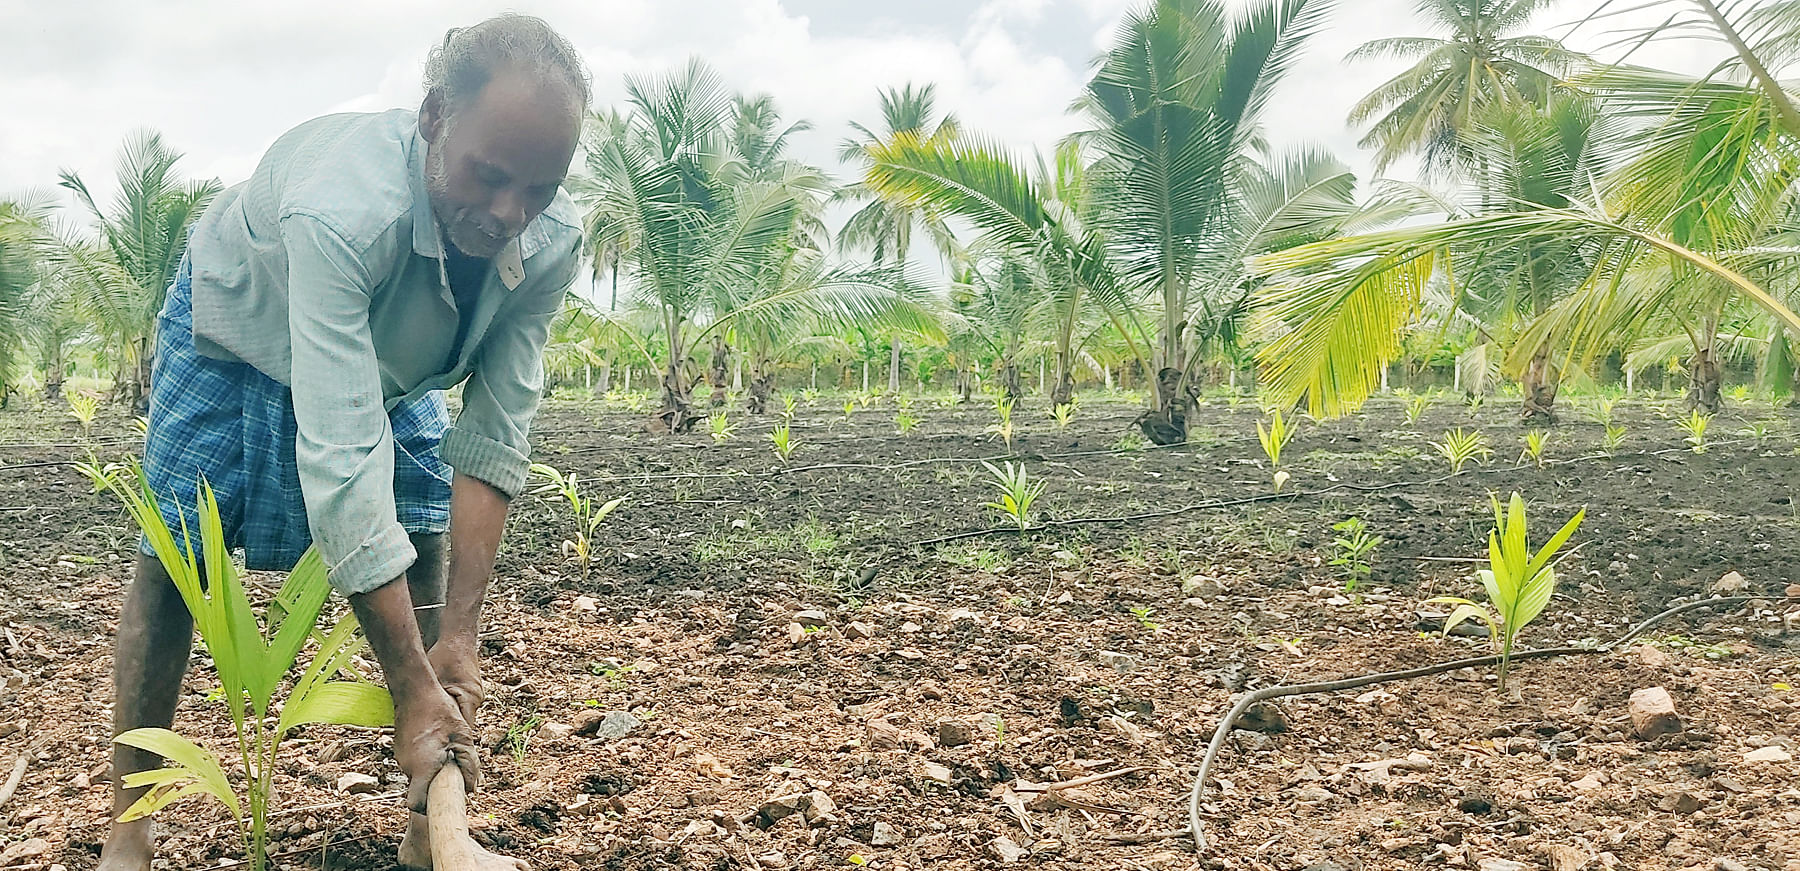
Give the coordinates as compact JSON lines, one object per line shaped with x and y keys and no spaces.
{"x":1198,"y":792}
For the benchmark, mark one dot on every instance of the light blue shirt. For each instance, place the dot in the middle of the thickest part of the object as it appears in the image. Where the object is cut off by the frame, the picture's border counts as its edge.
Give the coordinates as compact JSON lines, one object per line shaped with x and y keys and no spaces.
{"x":325,"y":271}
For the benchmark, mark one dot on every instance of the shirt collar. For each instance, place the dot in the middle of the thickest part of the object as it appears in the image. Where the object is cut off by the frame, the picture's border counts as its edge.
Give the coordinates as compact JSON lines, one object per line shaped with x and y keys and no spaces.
{"x":428,"y":239}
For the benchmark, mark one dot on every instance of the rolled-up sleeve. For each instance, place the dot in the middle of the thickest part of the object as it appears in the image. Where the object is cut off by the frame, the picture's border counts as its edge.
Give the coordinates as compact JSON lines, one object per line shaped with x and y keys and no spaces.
{"x":489,"y":441}
{"x":345,"y":448}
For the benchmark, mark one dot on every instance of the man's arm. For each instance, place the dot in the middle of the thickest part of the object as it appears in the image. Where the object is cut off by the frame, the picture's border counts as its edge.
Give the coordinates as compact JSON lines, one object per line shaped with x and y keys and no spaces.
{"x":477,"y":519}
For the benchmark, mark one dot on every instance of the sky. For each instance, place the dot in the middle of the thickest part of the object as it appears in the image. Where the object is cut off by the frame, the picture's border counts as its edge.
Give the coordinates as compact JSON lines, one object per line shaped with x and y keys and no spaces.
{"x":222,"y":78}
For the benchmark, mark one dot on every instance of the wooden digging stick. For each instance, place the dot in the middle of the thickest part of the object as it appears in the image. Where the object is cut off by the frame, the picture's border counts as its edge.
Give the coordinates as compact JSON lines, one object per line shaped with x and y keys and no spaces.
{"x":451,"y":847}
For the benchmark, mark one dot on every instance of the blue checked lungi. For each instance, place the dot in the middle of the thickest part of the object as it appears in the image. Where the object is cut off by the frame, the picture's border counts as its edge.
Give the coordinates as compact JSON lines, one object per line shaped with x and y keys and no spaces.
{"x":233,"y":426}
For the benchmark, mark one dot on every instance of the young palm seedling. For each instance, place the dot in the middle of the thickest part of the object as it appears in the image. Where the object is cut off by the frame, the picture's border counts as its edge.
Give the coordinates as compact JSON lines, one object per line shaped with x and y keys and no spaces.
{"x":1003,"y":427}
{"x":782,"y":437}
{"x":1063,"y":415}
{"x":1535,"y":441}
{"x":788,"y":405}
{"x":1757,"y":433}
{"x":904,"y":422}
{"x":1695,"y":425}
{"x":720,"y":426}
{"x":1274,"y":437}
{"x":1614,"y":439}
{"x":1415,"y":408}
{"x":588,"y":514}
{"x":253,"y":655}
{"x":1017,"y":492}
{"x":1460,"y":447}
{"x":1351,"y":551}
{"x":83,"y":407}
{"x":1519,"y":583}
{"x":1603,"y":411}
{"x":849,"y":407}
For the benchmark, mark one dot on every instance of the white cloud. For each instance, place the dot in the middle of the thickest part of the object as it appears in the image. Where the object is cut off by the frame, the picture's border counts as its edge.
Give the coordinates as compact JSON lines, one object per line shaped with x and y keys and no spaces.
{"x":223,"y":79}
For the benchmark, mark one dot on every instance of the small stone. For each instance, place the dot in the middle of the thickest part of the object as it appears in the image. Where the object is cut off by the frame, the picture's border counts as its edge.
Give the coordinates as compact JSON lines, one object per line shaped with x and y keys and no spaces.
{"x":30,"y":848}
{"x":937,"y":773}
{"x":1680,"y":802}
{"x":557,"y":730}
{"x":909,"y":627}
{"x":357,"y":783}
{"x":614,"y":725}
{"x":1314,"y":795}
{"x":1493,"y":864}
{"x":1203,"y":587}
{"x":1123,"y":663}
{"x":797,"y":634}
{"x":586,"y":605}
{"x":780,"y":808}
{"x":812,"y":619}
{"x":858,"y":630}
{"x":7,"y":730}
{"x":1651,"y":657}
{"x":1262,"y":717}
{"x":819,"y":806}
{"x":1768,"y":754}
{"x":954,"y":733}
{"x":1475,"y":801}
{"x":1251,"y":742}
{"x":1007,"y":851}
{"x":884,"y":836}
{"x":1731,"y":584}
{"x":1593,"y":781}
{"x":709,"y":765}
{"x":1653,"y":713}
{"x":1730,"y":865}
{"x":1563,"y":857}
{"x":586,"y":721}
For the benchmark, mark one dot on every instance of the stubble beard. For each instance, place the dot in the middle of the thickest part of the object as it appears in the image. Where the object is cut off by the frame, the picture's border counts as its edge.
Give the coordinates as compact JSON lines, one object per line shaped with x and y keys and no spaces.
{"x":472,"y":234}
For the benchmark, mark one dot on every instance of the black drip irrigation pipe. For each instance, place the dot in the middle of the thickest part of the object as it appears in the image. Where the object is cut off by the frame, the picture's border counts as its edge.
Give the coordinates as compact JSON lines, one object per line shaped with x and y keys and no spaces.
{"x":1245,"y":702}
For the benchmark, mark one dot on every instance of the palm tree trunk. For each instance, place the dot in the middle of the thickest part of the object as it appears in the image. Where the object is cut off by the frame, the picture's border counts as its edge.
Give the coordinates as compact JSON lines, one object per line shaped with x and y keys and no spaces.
{"x":1064,"y":391}
{"x":1540,"y":383}
{"x":894,"y":365}
{"x":721,"y":363}
{"x":677,"y":414}
{"x":1705,"y":378}
{"x":53,"y":370}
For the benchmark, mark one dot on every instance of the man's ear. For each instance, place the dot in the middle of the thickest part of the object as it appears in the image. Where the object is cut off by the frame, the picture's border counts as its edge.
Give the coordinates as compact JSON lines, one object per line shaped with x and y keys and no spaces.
{"x":432,"y":116}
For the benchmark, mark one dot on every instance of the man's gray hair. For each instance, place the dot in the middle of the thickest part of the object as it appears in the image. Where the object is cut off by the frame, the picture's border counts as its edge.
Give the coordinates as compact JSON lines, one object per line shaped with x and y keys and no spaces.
{"x":469,"y":58}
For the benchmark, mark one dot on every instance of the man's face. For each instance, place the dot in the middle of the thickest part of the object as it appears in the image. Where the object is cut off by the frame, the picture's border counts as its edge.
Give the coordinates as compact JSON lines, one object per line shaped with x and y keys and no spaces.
{"x":496,"y":164}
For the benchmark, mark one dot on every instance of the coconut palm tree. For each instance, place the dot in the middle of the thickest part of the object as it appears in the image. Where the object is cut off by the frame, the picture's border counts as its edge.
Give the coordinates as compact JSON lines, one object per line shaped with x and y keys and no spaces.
{"x":1175,"y":111}
{"x":1038,"y":223}
{"x":143,"y":233}
{"x":1696,"y":219}
{"x":703,"y":228}
{"x":885,"y":224}
{"x":1529,"y":157}
{"x":1475,"y":60}
{"x":22,"y":236}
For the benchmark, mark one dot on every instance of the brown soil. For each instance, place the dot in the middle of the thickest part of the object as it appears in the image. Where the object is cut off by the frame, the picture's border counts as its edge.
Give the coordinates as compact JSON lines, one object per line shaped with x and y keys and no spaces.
{"x":1060,"y":654}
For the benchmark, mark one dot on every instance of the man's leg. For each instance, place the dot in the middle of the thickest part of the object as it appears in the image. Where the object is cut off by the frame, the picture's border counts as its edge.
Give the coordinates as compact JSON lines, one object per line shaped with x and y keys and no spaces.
{"x":156,"y":635}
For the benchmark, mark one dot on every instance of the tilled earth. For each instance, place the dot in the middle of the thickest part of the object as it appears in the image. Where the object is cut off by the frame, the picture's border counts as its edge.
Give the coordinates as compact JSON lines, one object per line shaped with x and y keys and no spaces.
{"x":766,"y":669}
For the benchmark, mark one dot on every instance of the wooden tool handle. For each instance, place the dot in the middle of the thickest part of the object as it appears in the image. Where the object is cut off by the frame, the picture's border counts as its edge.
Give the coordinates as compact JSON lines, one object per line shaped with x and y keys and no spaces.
{"x":451,"y":847}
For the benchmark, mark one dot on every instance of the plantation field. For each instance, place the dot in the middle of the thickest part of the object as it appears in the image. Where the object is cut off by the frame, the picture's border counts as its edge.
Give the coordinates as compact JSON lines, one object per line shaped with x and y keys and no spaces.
{"x":811,"y":681}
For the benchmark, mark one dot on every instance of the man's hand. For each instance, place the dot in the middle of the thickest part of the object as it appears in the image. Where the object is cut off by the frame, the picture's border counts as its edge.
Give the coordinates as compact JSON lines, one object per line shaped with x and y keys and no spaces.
{"x":459,"y":673}
{"x":429,"y":733}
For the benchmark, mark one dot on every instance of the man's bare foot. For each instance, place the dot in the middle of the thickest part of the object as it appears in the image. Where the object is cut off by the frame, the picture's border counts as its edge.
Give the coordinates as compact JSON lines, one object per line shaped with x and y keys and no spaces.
{"x":128,"y":847}
{"x":415,"y":850}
